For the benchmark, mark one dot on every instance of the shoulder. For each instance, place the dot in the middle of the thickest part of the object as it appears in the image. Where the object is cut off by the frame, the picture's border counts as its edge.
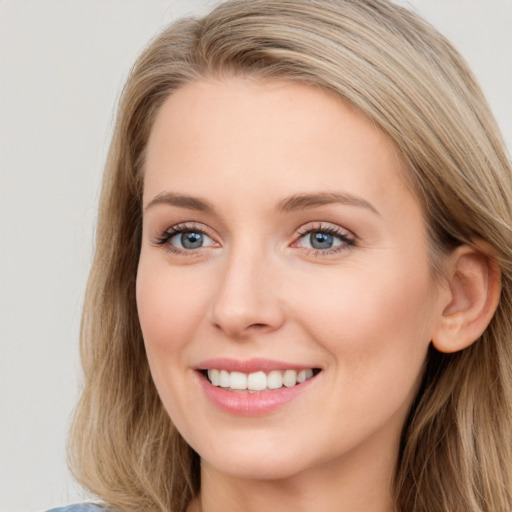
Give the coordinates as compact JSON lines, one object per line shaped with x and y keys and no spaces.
{"x":80,"y":507}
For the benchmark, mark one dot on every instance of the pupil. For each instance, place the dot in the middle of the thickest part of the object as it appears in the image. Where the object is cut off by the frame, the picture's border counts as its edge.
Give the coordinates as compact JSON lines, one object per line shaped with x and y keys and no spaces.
{"x":321,"y":240}
{"x":191,"y":240}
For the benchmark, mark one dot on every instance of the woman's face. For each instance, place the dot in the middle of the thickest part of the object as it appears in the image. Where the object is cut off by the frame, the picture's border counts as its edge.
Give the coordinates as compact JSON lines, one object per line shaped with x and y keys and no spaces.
{"x":280,"y":243}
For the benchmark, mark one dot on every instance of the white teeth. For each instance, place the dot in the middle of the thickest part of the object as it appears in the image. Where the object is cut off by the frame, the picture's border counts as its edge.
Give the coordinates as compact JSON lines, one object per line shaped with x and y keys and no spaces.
{"x":224,"y":379}
{"x":237,"y":380}
{"x":301,"y":376}
{"x":275,"y":380}
{"x":290,"y":378}
{"x":258,"y":381}
{"x":214,"y":376}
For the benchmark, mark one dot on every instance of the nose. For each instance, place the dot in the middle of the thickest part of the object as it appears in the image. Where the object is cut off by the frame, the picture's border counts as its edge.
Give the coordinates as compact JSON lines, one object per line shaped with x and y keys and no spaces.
{"x":246,"y":301}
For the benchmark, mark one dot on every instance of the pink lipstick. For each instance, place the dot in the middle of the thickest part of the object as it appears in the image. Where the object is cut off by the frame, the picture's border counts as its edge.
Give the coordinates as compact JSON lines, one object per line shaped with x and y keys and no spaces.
{"x":255,"y":386}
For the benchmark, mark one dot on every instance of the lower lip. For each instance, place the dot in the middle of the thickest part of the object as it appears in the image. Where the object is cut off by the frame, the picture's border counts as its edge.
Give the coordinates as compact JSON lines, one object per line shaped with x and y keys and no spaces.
{"x":243,"y":403}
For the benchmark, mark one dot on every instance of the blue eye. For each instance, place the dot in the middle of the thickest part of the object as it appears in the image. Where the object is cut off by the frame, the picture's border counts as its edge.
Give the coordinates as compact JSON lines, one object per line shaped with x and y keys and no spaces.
{"x":326,"y":240}
{"x":189,"y":240}
{"x":320,"y":240}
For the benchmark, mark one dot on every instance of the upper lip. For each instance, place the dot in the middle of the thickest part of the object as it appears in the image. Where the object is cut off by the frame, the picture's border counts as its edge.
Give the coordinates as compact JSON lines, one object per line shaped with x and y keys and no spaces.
{"x":249,"y":365}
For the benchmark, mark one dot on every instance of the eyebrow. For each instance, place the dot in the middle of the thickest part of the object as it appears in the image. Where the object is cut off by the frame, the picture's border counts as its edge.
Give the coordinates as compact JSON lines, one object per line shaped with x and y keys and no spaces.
{"x":189,"y":202}
{"x":302,"y":201}
{"x":293,"y":203}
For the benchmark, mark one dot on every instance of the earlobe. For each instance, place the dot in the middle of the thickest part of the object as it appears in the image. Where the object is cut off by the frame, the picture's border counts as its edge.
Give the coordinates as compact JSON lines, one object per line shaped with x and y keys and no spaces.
{"x":473,"y":292}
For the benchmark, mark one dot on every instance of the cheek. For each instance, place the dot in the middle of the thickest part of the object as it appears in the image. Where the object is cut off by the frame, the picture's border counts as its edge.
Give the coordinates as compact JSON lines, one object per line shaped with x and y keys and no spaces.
{"x":170,"y":312}
{"x":170,"y":308}
{"x":376,"y":325}
{"x":375,"y":329}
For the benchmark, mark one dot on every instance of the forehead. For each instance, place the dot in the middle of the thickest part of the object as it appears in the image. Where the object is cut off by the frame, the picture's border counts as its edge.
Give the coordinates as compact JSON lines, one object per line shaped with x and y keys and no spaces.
{"x":247,"y":133}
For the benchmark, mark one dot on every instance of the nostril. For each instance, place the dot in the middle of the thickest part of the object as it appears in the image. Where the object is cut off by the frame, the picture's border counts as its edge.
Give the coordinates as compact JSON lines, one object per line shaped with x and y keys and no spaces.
{"x":258,"y":328}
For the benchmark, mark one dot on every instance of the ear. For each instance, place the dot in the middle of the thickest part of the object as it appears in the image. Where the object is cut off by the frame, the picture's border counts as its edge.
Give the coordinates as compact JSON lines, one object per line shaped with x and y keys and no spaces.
{"x":472,"y":295}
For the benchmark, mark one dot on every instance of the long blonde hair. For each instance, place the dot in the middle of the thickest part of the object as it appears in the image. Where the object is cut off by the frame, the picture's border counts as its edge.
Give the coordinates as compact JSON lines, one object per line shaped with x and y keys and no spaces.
{"x":456,"y":450}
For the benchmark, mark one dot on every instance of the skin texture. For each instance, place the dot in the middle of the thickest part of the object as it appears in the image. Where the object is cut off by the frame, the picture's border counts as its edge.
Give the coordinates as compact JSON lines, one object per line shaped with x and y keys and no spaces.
{"x":363,"y":314}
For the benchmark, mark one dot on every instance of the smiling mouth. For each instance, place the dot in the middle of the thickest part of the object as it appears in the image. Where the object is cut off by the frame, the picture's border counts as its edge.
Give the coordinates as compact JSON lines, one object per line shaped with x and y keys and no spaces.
{"x":258,"y":381}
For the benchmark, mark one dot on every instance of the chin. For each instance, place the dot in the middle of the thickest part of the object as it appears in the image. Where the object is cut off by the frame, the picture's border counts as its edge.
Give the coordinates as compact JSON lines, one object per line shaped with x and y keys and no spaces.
{"x":257,"y":468}
{"x":263,"y":460}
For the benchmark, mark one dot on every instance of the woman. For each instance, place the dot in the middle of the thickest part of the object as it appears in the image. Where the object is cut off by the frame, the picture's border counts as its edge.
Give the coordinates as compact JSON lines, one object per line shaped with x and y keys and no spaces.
{"x":301,"y":295}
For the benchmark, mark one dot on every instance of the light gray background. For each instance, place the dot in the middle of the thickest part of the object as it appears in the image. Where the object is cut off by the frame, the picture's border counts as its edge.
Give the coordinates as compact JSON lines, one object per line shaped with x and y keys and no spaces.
{"x":62,"y":66}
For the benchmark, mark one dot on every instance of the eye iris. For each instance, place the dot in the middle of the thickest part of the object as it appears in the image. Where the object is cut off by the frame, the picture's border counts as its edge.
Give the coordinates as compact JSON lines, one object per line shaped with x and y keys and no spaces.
{"x":191,"y":240}
{"x":321,"y":240}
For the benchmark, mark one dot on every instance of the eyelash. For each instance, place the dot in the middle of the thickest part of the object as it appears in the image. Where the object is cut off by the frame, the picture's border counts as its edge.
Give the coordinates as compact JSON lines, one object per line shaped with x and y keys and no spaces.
{"x":348,"y":239}
{"x":164,"y":239}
